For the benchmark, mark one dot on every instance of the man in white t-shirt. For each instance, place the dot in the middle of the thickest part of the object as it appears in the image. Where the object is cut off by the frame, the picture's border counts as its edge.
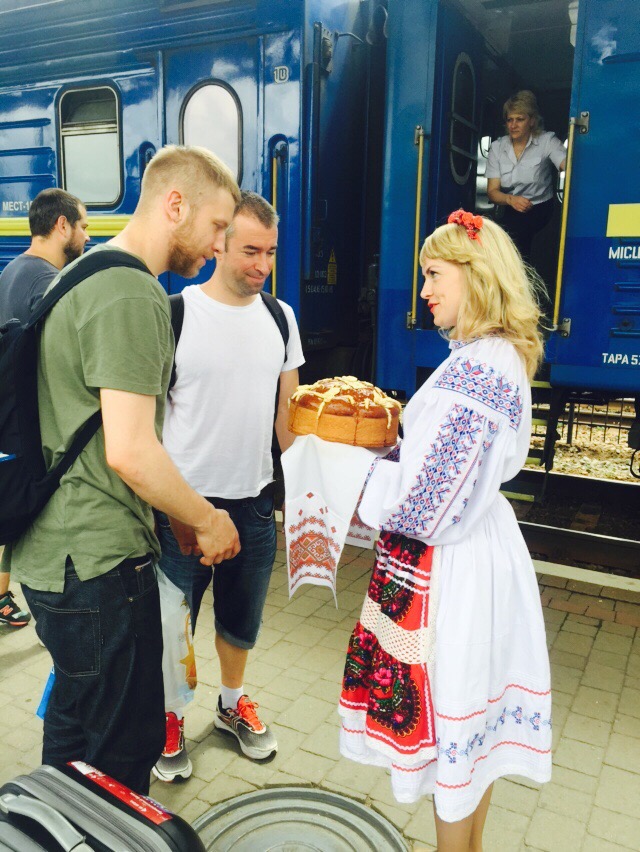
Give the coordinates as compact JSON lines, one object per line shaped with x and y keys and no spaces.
{"x":231,"y":361}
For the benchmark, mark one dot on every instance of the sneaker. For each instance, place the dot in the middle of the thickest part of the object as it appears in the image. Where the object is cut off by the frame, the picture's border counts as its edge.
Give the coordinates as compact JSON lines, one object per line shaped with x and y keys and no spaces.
{"x":255,"y":738}
{"x":174,"y":761}
{"x":10,"y":612}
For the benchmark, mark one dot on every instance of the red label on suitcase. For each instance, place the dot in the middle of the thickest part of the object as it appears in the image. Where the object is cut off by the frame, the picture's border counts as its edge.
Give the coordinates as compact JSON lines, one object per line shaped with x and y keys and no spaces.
{"x":153,"y":811}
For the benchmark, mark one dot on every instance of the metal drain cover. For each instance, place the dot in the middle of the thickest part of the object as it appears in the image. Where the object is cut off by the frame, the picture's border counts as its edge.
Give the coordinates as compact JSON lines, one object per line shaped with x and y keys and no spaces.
{"x":296,"y":819}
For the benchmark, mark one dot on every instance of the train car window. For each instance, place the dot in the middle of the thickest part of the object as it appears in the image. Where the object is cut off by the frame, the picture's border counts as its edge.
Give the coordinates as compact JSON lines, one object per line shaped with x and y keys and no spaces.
{"x":463,"y":131}
{"x":91,"y":145}
{"x":211,"y":117}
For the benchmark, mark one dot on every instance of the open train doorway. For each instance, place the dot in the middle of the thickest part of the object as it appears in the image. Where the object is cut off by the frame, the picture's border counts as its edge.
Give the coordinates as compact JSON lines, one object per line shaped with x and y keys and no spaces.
{"x":444,"y":110}
{"x":527,"y":45}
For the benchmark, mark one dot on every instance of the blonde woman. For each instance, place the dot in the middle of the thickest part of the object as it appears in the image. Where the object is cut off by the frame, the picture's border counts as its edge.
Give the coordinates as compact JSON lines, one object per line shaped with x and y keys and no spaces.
{"x":447,"y":675}
{"x":520,"y":170}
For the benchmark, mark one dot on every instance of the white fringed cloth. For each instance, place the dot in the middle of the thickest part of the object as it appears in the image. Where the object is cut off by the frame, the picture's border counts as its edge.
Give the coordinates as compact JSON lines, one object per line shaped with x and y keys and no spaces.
{"x":323,"y":481}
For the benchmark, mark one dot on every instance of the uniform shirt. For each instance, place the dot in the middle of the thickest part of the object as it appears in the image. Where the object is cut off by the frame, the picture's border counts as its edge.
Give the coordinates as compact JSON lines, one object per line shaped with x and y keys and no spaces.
{"x":111,"y":331}
{"x":22,"y":284}
{"x":532,"y":176}
{"x":219,"y":418}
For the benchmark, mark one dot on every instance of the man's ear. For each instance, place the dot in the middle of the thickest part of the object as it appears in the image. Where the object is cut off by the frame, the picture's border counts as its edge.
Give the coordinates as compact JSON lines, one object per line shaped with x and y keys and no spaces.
{"x":175,"y":206}
{"x":62,"y":226}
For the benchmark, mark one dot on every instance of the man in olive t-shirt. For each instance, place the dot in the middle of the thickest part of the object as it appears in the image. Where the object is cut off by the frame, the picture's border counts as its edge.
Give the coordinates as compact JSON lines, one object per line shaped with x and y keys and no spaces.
{"x":87,"y":562}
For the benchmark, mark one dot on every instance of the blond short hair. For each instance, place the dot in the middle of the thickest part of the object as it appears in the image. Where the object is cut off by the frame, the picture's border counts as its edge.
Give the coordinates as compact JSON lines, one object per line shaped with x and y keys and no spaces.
{"x":191,"y":169}
{"x":500,"y":292}
{"x":524,"y":102}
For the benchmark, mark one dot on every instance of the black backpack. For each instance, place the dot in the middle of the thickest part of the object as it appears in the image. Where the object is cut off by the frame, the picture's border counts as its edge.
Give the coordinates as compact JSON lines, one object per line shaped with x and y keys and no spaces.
{"x":25,"y":483}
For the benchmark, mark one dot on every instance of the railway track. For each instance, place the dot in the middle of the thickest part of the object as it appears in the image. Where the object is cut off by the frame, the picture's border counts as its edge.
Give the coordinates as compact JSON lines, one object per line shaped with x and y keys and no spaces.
{"x":566,"y":546}
{"x":584,"y":521}
{"x":563,"y":486}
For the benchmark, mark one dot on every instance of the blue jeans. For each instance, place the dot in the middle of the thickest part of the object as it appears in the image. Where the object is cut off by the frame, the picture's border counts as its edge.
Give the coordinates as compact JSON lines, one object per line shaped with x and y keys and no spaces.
{"x":240,"y":584}
{"x":107,"y":703}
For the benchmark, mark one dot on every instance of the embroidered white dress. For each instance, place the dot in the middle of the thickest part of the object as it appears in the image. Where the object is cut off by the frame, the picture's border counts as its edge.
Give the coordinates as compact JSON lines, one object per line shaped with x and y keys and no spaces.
{"x":483,"y":657}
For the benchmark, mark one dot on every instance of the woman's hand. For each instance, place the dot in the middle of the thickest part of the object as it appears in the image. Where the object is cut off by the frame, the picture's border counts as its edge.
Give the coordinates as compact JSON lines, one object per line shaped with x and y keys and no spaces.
{"x":519,"y":203}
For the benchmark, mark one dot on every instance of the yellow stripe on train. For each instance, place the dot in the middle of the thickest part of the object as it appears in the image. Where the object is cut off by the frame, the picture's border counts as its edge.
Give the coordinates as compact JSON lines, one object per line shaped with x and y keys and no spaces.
{"x":99,"y":226}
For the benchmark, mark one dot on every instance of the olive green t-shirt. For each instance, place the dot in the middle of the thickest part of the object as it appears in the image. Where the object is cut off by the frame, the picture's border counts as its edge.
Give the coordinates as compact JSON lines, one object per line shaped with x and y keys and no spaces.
{"x":113,"y":330}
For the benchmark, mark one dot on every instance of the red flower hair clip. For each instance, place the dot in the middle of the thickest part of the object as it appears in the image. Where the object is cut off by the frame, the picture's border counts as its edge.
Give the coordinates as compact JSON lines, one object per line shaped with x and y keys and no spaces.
{"x":471,"y":223}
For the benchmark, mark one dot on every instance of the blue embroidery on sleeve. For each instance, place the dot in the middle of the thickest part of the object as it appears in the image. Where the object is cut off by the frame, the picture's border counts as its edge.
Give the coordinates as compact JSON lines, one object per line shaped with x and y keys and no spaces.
{"x":479,"y":381}
{"x":452,"y":459}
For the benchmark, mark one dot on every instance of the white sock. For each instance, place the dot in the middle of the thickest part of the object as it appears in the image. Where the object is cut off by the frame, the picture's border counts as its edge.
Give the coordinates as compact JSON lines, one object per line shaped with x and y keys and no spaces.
{"x":230,"y":697}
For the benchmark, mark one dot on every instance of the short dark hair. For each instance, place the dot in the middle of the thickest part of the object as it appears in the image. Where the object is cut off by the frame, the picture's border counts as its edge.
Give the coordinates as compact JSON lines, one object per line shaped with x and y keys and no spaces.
{"x":47,"y":207}
{"x":256,"y":207}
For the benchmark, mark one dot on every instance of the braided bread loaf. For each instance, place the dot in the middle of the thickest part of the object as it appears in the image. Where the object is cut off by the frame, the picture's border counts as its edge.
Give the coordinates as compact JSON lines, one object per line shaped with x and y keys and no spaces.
{"x":345,"y":410}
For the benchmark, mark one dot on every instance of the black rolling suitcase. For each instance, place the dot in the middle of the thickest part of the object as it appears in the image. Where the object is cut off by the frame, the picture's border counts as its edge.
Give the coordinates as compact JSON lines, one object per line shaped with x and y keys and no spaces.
{"x":79,"y":809}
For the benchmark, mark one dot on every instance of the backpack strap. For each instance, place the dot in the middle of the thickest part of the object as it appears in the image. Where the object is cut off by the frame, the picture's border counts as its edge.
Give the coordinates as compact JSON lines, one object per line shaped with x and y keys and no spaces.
{"x":176,"y":302}
{"x":82,"y":438}
{"x":88,"y":265}
{"x":275,"y":309}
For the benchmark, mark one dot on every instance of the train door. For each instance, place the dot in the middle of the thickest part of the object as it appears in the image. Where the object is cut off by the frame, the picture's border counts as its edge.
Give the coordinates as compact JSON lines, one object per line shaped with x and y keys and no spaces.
{"x":598,"y":307}
{"x":212,"y":98}
{"x":451,"y":66}
{"x":456,"y":117}
{"x":455,"y":129}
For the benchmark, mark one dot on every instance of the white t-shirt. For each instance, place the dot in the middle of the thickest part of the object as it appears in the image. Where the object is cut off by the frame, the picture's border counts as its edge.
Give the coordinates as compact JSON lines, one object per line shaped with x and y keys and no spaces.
{"x":532,"y":175}
{"x":218,"y":421}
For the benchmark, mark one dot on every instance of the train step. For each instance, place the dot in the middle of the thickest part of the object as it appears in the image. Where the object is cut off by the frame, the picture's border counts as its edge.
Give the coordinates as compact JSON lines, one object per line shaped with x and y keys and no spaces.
{"x":524,"y":490}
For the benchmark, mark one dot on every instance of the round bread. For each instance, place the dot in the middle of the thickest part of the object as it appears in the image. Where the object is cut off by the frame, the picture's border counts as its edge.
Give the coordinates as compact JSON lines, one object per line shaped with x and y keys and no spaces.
{"x":345,"y":410}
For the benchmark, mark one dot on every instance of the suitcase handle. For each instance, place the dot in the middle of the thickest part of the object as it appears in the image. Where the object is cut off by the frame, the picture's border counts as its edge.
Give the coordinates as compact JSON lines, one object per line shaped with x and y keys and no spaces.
{"x":60,"y":828}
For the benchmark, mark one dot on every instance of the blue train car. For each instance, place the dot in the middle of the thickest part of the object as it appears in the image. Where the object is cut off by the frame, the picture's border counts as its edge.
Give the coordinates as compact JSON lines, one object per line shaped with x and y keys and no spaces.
{"x":366,"y":122}
{"x":88,"y":92}
{"x":450,"y":66}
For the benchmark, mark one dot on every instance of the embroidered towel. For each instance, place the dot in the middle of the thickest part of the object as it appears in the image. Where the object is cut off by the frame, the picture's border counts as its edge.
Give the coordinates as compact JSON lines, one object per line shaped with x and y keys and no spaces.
{"x":360,"y":534}
{"x":323,"y":481}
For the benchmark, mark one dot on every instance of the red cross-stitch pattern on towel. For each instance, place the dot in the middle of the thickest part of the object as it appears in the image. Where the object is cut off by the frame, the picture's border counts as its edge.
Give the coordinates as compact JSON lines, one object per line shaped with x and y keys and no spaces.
{"x":359,"y":533}
{"x":313,"y":548}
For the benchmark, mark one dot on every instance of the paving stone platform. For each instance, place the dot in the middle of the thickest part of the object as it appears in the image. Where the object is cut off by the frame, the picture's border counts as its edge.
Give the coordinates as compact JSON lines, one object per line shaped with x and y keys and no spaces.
{"x":592,"y":803}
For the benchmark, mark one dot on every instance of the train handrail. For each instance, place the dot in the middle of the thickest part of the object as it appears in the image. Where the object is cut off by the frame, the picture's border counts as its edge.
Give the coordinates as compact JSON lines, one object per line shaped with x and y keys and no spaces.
{"x":412,"y":316}
{"x":582,"y":124}
{"x":278,"y":161}
{"x":274,"y":204}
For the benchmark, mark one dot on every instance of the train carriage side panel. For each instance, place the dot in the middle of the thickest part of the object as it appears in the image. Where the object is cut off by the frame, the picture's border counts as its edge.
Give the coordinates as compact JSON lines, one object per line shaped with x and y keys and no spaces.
{"x":28,"y":162}
{"x":601,"y":281}
{"x":411,"y":53}
{"x":333,"y":154}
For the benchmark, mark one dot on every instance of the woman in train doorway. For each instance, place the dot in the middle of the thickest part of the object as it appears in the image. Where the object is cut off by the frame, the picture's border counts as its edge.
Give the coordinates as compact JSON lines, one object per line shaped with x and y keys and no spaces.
{"x":447,"y":675}
{"x":520,"y":171}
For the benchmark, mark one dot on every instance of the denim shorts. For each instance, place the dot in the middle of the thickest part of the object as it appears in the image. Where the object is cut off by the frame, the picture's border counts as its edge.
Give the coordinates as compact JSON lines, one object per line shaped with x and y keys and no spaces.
{"x":240,"y":584}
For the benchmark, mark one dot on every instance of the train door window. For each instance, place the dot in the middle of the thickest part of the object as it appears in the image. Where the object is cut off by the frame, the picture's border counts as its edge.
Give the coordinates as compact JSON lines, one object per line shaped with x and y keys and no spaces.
{"x":91,"y":145}
{"x":211,"y":117}
{"x":463,"y":132}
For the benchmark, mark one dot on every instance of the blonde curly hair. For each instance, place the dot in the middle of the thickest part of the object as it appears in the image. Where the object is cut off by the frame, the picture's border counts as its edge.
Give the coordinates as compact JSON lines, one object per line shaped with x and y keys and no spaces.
{"x":500,"y":293}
